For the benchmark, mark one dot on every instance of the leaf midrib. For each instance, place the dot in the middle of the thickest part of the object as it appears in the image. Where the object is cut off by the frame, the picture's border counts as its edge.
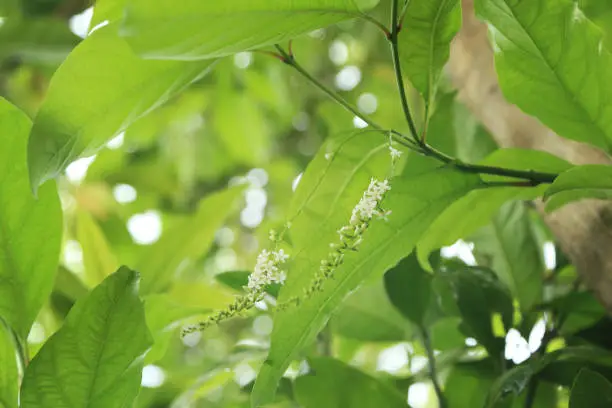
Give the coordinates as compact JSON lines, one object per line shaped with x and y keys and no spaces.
{"x":98,"y":359}
{"x":573,"y":98}
{"x":432,"y":37}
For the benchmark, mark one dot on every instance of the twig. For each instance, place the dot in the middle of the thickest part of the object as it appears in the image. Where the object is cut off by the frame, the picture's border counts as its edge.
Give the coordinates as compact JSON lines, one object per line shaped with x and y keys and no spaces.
{"x":431,"y":358}
{"x":395,"y":27}
{"x":416,"y":144}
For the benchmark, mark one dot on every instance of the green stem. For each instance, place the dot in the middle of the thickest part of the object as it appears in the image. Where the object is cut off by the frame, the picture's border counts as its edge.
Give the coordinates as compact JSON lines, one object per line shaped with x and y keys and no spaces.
{"x":532,"y":390}
{"x":416,"y":145}
{"x":290,"y":60}
{"x":374,"y":21}
{"x":431,"y":358}
{"x":395,"y":26}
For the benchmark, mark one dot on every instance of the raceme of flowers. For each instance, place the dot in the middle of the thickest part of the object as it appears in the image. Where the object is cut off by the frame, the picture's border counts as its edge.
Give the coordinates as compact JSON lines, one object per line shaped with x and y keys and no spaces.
{"x":267,"y":271}
{"x":268,"y":266}
{"x":351,"y":235}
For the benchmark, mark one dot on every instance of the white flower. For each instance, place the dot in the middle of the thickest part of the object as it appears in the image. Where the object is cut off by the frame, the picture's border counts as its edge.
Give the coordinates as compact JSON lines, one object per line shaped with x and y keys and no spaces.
{"x":368,"y":206}
{"x":267,"y":269}
{"x":351,"y":235}
{"x":395,"y":154}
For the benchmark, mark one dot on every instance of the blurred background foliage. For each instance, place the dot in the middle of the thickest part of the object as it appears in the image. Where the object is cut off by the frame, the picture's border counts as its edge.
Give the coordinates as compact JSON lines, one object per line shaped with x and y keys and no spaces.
{"x":252,"y":121}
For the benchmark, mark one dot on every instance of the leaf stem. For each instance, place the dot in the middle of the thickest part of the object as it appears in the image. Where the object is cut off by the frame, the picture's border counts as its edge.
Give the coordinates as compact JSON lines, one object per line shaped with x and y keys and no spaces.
{"x":431,"y":358}
{"x":377,"y":23}
{"x":289,"y":59}
{"x":395,"y":28}
{"x":415,"y":144}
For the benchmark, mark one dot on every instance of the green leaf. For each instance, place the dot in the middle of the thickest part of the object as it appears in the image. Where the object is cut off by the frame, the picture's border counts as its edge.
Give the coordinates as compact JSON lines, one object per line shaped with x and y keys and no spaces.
{"x":95,"y":359}
{"x":591,"y":390}
{"x":9,"y":374}
{"x":409,"y":288}
{"x":42,"y":40}
{"x":333,"y":184}
{"x":195,"y":29}
{"x":464,"y":217}
{"x":118,"y":87}
{"x":581,"y":308}
{"x":479,"y":295}
{"x":98,"y":257}
{"x":446,"y":335}
{"x":525,"y":160}
{"x":30,"y":229}
{"x":588,"y":181}
{"x":429,"y":27}
{"x":188,"y":239}
{"x":69,"y":285}
{"x":510,"y":244}
{"x":474,"y":142}
{"x":367,"y":315}
{"x":245,"y":140}
{"x":477,"y":208}
{"x":107,"y":10}
{"x":513,"y":381}
{"x":468,"y":382}
{"x":553,"y":65}
{"x":333,"y":384}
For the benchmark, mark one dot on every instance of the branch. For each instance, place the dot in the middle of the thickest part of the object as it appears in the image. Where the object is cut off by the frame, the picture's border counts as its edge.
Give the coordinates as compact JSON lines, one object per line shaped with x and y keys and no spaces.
{"x":415,"y":144}
{"x":431,"y":358}
{"x":290,"y":60}
{"x":395,"y":27}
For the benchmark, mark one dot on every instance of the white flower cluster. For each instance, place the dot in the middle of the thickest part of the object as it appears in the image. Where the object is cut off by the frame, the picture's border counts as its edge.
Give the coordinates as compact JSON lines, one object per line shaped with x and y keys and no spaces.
{"x":351,"y":235}
{"x":267,"y":269}
{"x":369,"y":204}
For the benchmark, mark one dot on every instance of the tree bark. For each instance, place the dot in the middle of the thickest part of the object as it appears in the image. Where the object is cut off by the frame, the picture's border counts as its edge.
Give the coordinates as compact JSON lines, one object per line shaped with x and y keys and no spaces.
{"x":583,"y":229}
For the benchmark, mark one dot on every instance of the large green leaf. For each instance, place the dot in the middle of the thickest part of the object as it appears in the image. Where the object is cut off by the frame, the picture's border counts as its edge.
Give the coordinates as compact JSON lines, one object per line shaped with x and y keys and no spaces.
{"x":514,"y":381}
{"x":45,"y":40}
{"x":410,"y":288}
{"x":118,"y":87}
{"x":30,"y":229}
{"x":188,"y":239}
{"x":512,"y":249}
{"x":95,"y":359}
{"x":589,"y":181}
{"x":468,"y":383}
{"x":429,"y":26}
{"x":98,"y":257}
{"x":107,"y":10}
{"x":552,"y":64}
{"x":9,"y":374}
{"x":479,"y":295}
{"x":367,"y":315}
{"x":333,"y":384}
{"x":477,"y":208}
{"x":582,"y":309}
{"x":331,"y":186}
{"x":194,"y":29}
{"x":245,"y":140}
{"x":591,"y":390}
